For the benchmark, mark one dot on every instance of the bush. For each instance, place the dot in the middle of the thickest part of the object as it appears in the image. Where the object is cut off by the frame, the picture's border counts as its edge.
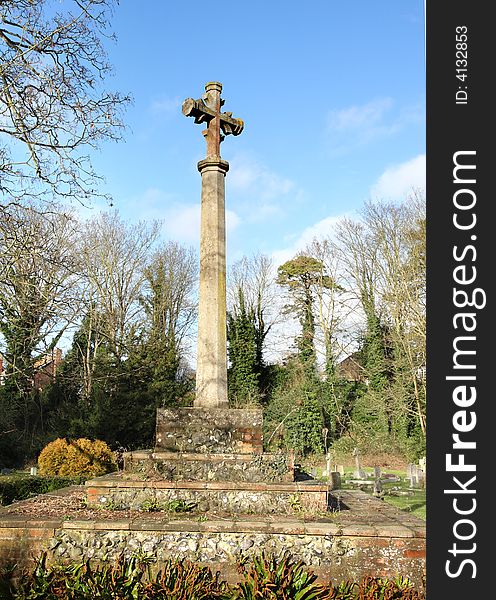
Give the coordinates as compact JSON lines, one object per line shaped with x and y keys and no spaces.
{"x":78,"y":457}
{"x":272,"y":577}
{"x":14,"y":488}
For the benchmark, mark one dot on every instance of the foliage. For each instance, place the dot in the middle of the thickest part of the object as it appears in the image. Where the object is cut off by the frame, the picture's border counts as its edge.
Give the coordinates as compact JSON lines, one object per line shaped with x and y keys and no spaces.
{"x":38,"y":299}
{"x":126,"y":578}
{"x":277,"y":577}
{"x":130,"y":578}
{"x":174,"y":506}
{"x":77,"y":457}
{"x":250,"y":318}
{"x":15,"y":488}
{"x":294,"y":417}
{"x":245,"y":359}
{"x":128,"y":356}
{"x":306,"y":413}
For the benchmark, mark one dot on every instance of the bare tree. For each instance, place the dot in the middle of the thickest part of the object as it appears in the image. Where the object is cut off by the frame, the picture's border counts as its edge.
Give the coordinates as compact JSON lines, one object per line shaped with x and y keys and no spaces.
{"x":52,"y":102}
{"x":400,"y":234}
{"x":115,"y":255}
{"x":170,"y":280}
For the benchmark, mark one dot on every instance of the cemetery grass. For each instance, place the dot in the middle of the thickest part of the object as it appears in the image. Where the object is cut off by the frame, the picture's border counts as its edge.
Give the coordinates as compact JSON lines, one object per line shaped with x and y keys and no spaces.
{"x":396,"y":493}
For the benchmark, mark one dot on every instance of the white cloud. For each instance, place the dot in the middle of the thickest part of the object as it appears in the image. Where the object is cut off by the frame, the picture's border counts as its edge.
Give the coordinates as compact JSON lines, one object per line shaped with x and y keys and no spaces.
{"x":265,"y":189}
{"x":362,"y":117}
{"x":358,"y":125}
{"x":397,"y":181}
{"x":249,"y":176}
{"x":165,"y":105}
{"x":321,"y":229}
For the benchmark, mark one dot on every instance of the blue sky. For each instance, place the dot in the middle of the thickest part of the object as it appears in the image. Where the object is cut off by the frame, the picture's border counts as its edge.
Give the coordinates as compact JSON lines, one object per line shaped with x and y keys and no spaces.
{"x":332,"y":94}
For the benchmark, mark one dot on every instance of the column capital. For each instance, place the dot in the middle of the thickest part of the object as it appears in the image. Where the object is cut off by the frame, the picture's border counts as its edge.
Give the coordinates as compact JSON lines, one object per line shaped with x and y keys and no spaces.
{"x":213,"y":164}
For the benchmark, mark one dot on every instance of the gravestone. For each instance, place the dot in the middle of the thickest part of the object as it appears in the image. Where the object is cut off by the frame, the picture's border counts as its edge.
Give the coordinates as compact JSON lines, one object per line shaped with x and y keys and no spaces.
{"x":334,"y":480}
{"x":359,"y":472}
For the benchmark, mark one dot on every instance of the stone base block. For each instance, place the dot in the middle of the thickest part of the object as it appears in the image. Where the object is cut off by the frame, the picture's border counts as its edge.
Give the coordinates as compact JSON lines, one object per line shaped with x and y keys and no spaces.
{"x":208,"y":430}
{"x":116,"y":492}
{"x":179,"y":466}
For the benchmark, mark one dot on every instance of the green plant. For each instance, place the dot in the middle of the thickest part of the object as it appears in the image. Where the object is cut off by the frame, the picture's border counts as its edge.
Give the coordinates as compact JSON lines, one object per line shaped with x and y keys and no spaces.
{"x":21,"y":487}
{"x":277,"y":577}
{"x":125,"y":579}
{"x":77,"y":457}
{"x":150,"y":505}
{"x":178,"y":505}
{"x":263,"y":577}
{"x":375,"y":588}
{"x":294,"y":501}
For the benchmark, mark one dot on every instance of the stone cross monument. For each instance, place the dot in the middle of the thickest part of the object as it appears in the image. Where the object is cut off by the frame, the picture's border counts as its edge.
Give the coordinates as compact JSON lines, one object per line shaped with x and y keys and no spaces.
{"x":211,"y":371}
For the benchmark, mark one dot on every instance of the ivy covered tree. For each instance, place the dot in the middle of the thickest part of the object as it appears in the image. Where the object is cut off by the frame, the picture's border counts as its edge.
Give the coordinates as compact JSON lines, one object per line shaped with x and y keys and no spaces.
{"x":249,"y":320}
{"x":111,"y":391}
{"x":170,"y":309}
{"x":38,"y":299}
{"x":244,"y":355}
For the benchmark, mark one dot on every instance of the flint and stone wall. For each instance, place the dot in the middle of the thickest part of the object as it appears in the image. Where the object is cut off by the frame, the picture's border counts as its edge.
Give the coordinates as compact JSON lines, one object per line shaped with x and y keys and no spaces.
{"x":207,"y":430}
{"x":271,"y":468}
{"x":236,"y":498}
{"x":332,"y":552}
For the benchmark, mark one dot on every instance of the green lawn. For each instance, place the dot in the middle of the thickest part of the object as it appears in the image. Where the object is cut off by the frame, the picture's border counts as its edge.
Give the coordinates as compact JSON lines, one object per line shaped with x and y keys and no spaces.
{"x":414,"y":502}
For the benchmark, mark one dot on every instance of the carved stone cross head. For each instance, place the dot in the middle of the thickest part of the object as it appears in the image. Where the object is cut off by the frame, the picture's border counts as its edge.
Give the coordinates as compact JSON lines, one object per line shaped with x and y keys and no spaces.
{"x":207,"y":110}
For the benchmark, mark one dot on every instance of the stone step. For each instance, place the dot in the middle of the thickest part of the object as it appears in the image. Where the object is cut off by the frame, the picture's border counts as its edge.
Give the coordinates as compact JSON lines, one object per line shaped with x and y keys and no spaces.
{"x":121,"y":491}
{"x":182,"y":466}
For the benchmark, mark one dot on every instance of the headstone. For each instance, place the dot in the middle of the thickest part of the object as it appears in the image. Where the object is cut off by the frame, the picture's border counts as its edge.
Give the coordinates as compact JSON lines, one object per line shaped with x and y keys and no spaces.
{"x":377,"y":472}
{"x":33,"y":471}
{"x":359,"y":472}
{"x":329,"y":468}
{"x":334,"y":480}
{"x":378,"y":491}
{"x":422,"y":470}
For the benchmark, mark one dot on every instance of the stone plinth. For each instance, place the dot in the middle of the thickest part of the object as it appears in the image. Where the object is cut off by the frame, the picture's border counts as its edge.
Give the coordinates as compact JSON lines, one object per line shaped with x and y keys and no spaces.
{"x":209,"y":431}
{"x":179,"y":466}
{"x":122,"y":493}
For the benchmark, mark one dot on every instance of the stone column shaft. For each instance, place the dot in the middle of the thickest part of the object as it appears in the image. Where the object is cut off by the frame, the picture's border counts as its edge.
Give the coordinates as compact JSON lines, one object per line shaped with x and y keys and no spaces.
{"x":211,"y":372}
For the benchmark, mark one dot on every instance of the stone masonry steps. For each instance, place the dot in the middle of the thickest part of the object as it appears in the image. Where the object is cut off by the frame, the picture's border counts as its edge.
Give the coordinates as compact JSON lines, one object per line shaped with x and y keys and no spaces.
{"x":121,"y":491}
{"x":181,"y":466}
